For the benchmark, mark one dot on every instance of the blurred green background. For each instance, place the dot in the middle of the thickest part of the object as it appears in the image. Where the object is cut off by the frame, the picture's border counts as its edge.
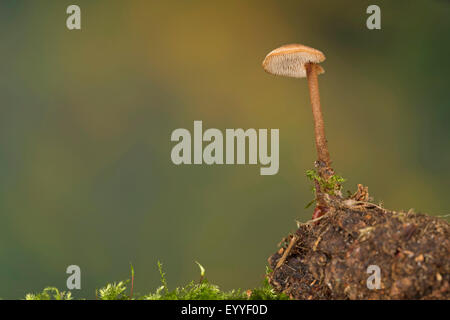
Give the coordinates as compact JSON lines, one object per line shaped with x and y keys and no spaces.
{"x":86,"y":117}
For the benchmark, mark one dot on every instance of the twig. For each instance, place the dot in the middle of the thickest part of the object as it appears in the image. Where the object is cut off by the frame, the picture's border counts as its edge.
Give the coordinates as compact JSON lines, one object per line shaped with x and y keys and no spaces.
{"x":352,"y":203}
{"x":286,"y":253}
{"x":311,"y":221}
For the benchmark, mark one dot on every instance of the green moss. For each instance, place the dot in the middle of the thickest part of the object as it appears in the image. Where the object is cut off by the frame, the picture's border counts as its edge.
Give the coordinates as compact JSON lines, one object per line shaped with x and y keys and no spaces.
{"x":49,"y":293}
{"x":113,"y":291}
{"x":331,"y":186}
{"x":202,"y":290}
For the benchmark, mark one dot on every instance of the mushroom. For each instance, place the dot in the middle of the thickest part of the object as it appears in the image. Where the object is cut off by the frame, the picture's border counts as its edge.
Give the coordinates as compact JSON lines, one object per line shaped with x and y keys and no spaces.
{"x":299,"y":61}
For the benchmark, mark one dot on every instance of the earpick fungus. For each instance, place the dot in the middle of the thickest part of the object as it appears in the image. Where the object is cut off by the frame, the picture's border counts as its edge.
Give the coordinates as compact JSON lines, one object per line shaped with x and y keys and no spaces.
{"x":299,"y":61}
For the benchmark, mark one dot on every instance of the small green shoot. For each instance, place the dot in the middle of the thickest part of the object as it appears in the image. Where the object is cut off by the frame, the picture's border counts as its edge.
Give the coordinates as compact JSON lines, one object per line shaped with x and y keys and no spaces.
{"x":202,"y":271}
{"x":132,"y":281}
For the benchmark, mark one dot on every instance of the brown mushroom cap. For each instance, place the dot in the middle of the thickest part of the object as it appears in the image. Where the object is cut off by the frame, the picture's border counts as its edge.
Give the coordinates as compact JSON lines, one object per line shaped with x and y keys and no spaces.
{"x":289,"y":60}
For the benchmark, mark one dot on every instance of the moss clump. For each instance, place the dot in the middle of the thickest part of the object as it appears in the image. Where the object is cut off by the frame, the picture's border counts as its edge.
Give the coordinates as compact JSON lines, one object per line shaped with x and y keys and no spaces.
{"x":332,"y":186}
{"x":49,"y":293}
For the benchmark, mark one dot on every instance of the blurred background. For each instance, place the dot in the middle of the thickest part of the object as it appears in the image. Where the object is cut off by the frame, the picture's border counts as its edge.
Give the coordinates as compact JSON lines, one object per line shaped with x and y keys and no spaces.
{"x":86,"y":116}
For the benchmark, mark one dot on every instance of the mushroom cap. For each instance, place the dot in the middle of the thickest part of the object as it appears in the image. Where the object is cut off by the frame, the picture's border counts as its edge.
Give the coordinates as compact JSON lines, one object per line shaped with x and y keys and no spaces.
{"x":290,"y":60}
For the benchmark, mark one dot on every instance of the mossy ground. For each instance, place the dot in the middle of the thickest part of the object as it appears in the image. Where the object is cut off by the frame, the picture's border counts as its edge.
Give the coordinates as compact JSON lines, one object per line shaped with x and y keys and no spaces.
{"x":200,"y":290}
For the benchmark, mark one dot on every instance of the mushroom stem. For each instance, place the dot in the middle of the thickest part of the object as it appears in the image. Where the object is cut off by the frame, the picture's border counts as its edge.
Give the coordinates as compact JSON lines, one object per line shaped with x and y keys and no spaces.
{"x":319,"y":128}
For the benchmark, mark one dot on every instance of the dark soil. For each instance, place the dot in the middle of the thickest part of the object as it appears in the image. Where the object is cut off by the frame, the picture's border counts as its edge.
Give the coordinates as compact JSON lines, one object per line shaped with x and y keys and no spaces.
{"x":329,"y":257}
